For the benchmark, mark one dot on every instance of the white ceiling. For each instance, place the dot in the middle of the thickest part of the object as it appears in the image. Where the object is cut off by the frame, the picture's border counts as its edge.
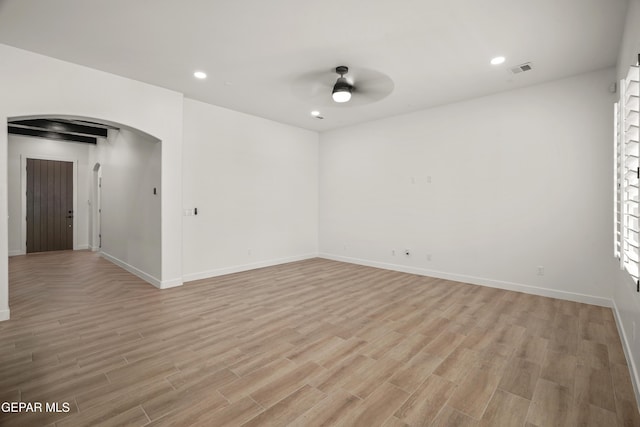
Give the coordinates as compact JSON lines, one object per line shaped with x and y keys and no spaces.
{"x":256,"y":51}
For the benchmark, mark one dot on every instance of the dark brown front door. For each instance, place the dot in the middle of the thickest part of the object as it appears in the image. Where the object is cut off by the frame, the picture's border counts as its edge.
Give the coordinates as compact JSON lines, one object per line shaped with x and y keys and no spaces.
{"x":49,"y":205}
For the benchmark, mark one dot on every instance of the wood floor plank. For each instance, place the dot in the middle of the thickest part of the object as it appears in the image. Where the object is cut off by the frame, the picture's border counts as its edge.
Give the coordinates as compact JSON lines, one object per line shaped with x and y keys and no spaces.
{"x":593,"y":354}
{"x":333,"y":379}
{"x":328,"y":411}
{"x":284,"y":385}
{"x":364,"y":383}
{"x":476,"y":389}
{"x":394,"y":422}
{"x":289,"y":408}
{"x":309,"y":343}
{"x":113,"y":413}
{"x":595,"y":386}
{"x":505,"y":409}
{"x":552,"y":405}
{"x":256,"y":379}
{"x":450,"y":417}
{"x":457,"y":365}
{"x":532,"y":348}
{"x":520,"y":377}
{"x":235,"y":414}
{"x":414,"y":372}
{"x":593,"y":416}
{"x":560,"y":368}
{"x":379,"y":406}
{"x":422,"y":407}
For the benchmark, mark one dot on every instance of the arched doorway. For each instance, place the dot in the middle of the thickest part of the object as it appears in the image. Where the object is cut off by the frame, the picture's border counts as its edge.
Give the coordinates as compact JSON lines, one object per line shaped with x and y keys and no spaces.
{"x":117,"y":191}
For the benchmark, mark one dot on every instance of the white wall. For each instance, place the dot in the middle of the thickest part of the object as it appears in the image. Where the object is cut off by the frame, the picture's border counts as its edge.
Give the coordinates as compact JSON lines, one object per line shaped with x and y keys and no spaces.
{"x":255,"y":185}
{"x":630,"y":45}
{"x":626,"y":299}
{"x":33,"y":84}
{"x":489,"y":189}
{"x":25,"y":146}
{"x":130,"y":219}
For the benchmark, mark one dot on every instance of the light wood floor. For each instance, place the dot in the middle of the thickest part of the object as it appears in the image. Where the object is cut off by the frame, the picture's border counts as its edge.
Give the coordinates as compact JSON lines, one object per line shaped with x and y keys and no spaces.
{"x":306,"y":344}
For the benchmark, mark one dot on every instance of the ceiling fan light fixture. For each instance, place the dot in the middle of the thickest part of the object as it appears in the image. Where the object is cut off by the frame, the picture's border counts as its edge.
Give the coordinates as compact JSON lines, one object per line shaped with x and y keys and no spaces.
{"x":342,"y":89}
{"x":341,"y":97}
{"x":341,"y":92}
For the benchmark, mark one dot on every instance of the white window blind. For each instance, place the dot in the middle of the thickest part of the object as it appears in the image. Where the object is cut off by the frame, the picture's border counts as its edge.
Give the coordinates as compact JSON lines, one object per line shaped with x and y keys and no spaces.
{"x":627,"y":166}
{"x":617,"y":191}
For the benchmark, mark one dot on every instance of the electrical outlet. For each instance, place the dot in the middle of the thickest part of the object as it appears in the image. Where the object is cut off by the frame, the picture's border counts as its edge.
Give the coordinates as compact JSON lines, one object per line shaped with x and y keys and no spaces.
{"x":393,"y":252}
{"x":249,"y":251}
{"x":428,"y":257}
{"x":540,"y":270}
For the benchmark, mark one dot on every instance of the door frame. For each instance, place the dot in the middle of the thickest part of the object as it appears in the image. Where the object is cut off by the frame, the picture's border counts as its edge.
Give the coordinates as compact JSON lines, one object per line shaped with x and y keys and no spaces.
{"x":23,"y":187}
{"x":96,"y":207}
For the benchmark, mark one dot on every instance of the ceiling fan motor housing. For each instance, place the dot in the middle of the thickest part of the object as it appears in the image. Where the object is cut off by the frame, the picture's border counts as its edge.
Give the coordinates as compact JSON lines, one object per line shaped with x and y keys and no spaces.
{"x":341,"y":85}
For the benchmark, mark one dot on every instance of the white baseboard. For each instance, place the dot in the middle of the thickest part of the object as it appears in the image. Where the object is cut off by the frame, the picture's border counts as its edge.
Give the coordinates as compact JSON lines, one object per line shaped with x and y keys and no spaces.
{"x":4,"y":314}
{"x":245,"y":267}
{"x":626,"y":346}
{"x":509,"y":286}
{"x":94,"y":248}
{"x":166,"y":284}
{"x":17,"y":252}
{"x":133,"y":270}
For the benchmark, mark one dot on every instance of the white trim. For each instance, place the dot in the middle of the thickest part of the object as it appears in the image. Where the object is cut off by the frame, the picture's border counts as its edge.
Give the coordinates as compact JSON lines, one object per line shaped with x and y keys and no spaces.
{"x":245,"y":267}
{"x":16,"y":252}
{"x":628,"y":353}
{"x":166,"y":284}
{"x":94,"y":248}
{"x":4,"y":314}
{"x":23,"y":195}
{"x":94,"y":211}
{"x":482,"y":281}
{"x":133,"y":270}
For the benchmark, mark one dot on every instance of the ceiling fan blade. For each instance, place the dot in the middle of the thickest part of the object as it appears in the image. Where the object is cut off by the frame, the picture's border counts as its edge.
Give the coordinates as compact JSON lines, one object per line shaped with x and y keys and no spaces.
{"x":313,"y":84}
{"x":374,"y":84}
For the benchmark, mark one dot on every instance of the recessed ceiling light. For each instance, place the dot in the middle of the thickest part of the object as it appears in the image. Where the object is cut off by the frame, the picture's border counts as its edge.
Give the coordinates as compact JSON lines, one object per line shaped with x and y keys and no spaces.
{"x":200,"y":75}
{"x":497,"y":60}
{"x":315,"y":113}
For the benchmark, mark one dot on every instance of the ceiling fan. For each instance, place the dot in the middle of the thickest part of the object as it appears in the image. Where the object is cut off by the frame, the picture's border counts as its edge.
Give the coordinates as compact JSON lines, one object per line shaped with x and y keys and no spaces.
{"x":356,"y":86}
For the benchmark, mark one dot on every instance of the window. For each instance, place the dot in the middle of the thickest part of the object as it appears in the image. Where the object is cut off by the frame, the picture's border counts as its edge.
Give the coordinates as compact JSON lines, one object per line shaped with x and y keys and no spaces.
{"x":627,"y":171}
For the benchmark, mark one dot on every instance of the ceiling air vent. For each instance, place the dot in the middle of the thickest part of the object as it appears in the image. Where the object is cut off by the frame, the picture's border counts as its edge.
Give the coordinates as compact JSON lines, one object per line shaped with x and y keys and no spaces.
{"x":527,"y":66}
